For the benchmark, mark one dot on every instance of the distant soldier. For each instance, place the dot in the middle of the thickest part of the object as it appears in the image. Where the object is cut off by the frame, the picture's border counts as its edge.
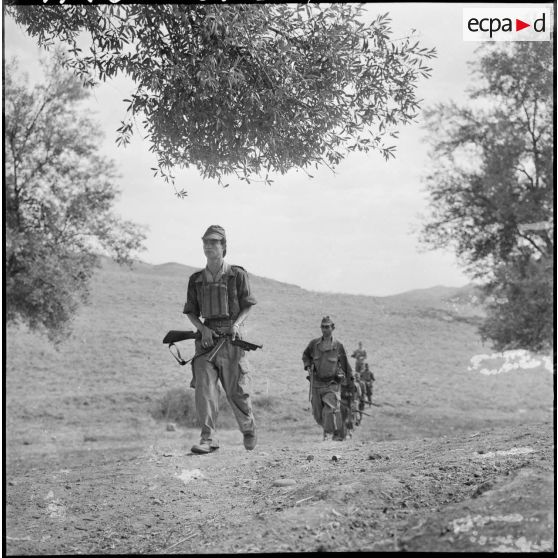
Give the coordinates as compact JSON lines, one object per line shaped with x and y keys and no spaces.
{"x":360,"y":356}
{"x":360,"y":398}
{"x":368,"y":378}
{"x":327,"y":365}
{"x":350,"y":403}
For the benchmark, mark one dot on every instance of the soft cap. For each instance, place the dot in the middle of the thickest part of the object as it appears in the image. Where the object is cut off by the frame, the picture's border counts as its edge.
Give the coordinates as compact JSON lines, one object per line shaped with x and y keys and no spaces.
{"x":214,"y":232}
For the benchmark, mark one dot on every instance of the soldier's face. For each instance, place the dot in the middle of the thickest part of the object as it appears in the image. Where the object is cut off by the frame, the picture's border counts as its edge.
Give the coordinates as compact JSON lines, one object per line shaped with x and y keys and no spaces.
{"x":326,"y":330}
{"x":212,"y":248}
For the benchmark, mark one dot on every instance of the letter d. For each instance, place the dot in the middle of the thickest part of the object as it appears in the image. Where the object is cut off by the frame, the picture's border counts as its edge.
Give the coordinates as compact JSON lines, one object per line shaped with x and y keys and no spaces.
{"x":535,"y":25}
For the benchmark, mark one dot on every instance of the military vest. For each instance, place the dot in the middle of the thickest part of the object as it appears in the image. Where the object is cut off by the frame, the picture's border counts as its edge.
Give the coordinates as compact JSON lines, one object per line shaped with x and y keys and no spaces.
{"x":326,"y":362}
{"x":218,"y":299}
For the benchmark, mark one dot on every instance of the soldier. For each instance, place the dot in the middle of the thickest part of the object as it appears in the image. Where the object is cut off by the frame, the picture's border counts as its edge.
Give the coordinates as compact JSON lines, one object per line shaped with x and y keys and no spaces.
{"x":360,"y":356}
{"x":368,"y":377}
{"x":349,"y":398}
{"x":327,"y":365}
{"x":221,"y":295}
{"x":360,"y":396}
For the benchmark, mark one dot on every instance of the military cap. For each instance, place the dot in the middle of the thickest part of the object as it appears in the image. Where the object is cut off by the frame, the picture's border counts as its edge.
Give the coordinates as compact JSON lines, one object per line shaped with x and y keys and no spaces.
{"x":214,"y":232}
{"x":326,"y":320}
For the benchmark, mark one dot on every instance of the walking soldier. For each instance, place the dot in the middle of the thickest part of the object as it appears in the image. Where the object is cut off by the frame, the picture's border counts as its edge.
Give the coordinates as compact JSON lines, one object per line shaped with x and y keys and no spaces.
{"x":325,"y":360}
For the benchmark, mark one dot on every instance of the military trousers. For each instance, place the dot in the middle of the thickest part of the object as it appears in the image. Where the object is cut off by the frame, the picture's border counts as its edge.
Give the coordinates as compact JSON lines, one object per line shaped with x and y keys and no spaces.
{"x":369,"y":390}
{"x":229,"y":368}
{"x":326,"y":408}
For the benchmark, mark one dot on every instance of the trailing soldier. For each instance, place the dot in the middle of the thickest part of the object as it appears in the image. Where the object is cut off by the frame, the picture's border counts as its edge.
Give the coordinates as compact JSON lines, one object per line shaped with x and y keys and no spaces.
{"x":325,"y":360}
{"x":368,"y":377}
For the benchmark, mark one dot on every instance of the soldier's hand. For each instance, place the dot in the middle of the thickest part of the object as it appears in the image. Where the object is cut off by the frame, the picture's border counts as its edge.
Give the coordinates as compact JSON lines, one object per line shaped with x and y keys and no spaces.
{"x":234,"y":331}
{"x":207,"y":339}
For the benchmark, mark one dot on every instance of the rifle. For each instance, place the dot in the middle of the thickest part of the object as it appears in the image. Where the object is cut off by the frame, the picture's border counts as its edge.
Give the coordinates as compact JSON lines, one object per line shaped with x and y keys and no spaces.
{"x":349,"y":407}
{"x":175,"y":335}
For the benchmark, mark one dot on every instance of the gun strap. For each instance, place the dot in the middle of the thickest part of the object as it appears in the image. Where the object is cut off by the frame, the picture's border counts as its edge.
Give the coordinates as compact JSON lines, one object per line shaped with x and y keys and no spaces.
{"x":178,"y":356}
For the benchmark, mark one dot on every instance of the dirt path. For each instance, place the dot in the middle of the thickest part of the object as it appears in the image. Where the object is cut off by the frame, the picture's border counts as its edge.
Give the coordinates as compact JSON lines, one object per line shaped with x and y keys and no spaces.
{"x":485,"y":491}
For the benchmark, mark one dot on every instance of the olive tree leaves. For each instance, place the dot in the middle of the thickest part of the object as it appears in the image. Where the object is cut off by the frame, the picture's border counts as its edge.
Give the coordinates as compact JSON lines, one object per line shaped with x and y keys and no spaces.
{"x":491,"y":190}
{"x":244,"y":90}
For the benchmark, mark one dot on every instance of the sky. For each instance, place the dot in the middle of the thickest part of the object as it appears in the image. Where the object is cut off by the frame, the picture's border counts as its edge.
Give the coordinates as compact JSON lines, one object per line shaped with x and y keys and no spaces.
{"x":353,"y":231}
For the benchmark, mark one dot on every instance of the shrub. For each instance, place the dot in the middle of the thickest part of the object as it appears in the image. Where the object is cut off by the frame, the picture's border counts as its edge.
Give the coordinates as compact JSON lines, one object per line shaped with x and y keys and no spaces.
{"x":178,"y":405}
{"x":265,"y":402}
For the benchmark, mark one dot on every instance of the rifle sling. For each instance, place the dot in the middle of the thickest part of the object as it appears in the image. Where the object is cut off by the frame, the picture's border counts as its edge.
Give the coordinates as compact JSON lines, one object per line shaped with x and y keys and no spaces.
{"x":178,"y":356}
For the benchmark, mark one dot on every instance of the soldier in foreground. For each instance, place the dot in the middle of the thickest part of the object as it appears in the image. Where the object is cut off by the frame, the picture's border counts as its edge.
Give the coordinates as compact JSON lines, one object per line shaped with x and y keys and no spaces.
{"x":360,"y":356}
{"x":325,"y":360}
{"x":368,"y":378}
{"x":221,"y":295}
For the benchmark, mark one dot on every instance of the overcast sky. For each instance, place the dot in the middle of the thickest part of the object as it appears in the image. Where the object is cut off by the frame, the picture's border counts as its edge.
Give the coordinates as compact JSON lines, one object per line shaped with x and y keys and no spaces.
{"x":353,"y":231}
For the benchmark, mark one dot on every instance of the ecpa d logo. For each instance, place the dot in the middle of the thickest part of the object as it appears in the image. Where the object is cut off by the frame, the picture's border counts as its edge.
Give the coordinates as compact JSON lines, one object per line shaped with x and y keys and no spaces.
{"x":507,"y":24}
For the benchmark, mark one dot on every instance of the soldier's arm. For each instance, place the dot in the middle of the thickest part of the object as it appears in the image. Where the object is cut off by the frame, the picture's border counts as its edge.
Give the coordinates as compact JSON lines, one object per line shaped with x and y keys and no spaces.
{"x":307,"y":356}
{"x":344,"y":361}
{"x":245,"y":299}
{"x":245,"y":296}
{"x":235,"y":327}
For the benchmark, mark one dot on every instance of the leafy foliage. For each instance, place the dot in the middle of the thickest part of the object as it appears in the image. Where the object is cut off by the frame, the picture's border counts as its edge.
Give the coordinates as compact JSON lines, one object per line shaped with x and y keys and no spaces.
{"x":520,"y":308}
{"x":59,"y":193}
{"x":491,"y":189}
{"x":244,"y":90}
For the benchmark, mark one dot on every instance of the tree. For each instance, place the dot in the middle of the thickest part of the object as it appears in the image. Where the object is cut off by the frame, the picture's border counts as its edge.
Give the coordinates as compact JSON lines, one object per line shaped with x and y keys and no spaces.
{"x":245,"y":89}
{"x":59,"y":193}
{"x":491,"y":190}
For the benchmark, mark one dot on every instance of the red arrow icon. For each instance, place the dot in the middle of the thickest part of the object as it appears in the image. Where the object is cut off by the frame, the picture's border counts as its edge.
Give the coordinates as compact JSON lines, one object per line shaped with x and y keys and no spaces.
{"x":519,"y":25}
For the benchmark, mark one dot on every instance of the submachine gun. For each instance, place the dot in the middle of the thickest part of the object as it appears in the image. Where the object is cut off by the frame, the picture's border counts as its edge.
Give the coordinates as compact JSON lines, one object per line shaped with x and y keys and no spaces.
{"x":176,"y":335}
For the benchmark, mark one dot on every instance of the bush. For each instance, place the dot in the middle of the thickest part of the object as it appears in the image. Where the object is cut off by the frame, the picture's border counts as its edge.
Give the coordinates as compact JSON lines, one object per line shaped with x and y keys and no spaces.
{"x":265,"y":402}
{"x":178,"y":405}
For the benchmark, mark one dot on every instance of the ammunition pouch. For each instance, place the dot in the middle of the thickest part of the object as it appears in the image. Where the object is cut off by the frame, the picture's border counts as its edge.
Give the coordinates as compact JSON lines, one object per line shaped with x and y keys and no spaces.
{"x":214,"y":300}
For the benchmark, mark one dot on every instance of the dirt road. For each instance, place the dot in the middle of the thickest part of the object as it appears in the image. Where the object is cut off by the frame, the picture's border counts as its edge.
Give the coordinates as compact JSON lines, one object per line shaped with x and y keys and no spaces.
{"x":483,"y":491}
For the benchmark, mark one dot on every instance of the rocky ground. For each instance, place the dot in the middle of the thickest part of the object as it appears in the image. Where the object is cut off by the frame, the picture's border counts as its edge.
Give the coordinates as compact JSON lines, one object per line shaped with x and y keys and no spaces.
{"x":453,"y":457}
{"x":489,"y":490}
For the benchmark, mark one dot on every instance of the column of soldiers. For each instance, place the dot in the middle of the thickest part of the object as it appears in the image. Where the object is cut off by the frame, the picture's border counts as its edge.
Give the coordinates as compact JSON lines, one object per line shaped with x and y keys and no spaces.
{"x":364,"y":375}
{"x":218,"y":301}
{"x":338,"y":396}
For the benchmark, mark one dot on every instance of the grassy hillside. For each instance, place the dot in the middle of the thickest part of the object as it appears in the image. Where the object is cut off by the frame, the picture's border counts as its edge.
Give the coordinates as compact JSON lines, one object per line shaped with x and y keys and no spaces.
{"x":114,"y":370}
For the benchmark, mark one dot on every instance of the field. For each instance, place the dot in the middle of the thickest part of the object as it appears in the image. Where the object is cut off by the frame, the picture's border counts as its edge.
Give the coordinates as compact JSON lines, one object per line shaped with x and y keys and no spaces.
{"x":98,"y":431}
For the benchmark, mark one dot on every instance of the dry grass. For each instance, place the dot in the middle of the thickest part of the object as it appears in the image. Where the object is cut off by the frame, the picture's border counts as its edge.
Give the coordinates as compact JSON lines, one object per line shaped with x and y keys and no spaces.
{"x":114,"y":367}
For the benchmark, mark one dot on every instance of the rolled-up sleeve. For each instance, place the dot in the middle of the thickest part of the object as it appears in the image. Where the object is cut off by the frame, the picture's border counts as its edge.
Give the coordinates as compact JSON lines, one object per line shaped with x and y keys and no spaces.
{"x":245,"y":296}
{"x":192,"y":305}
{"x":307,"y":355}
{"x":344,"y":361}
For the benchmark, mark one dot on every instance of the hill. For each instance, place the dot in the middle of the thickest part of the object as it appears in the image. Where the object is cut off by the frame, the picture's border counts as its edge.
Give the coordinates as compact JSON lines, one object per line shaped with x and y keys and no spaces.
{"x":88,"y":453}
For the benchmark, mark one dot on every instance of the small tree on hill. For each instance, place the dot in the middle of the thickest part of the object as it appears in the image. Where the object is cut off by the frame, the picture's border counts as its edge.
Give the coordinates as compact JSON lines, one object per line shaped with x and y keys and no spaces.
{"x":59,"y":193}
{"x":491,"y":191}
{"x":245,"y":90}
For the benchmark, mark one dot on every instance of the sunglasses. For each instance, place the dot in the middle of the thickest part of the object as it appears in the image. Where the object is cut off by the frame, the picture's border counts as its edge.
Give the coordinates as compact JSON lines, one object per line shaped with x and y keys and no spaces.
{"x":325,"y":327}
